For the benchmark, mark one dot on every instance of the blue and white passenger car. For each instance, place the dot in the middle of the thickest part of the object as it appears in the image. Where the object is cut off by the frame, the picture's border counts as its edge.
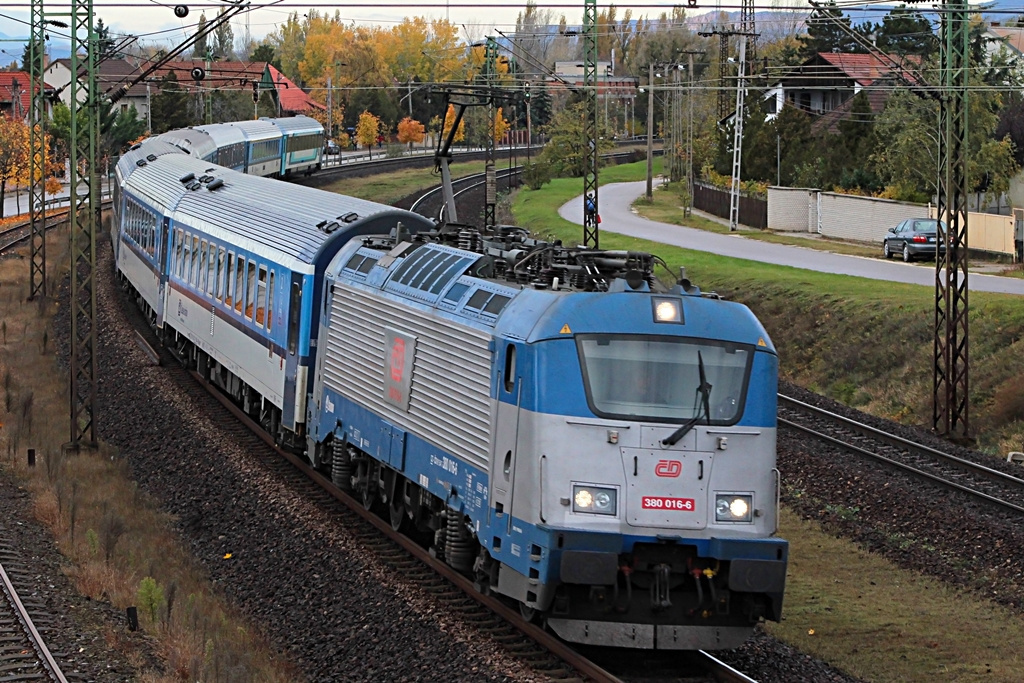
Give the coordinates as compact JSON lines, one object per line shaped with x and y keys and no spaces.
{"x":597,"y":451}
{"x":229,"y":266}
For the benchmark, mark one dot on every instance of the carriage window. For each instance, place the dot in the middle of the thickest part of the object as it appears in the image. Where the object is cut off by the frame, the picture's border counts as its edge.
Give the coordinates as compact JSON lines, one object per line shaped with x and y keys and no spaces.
{"x":187,"y":257}
{"x":201,"y":278}
{"x":211,"y":269}
{"x":261,"y":296}
{"x":250,"y":288}
{"x":178,"y":246}
{"x":194,"y":274}
{"x":270,"y":301}
{"x":220,"y":275}
{"x":229,"y":280}
{"x":239,"y":283}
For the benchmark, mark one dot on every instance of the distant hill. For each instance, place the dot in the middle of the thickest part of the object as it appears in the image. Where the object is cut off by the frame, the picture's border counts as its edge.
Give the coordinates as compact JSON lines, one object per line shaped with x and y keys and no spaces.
{"x":13,"y":47}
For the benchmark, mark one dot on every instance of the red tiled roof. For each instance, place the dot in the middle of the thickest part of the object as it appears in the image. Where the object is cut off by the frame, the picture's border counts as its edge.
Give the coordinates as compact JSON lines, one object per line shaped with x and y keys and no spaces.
{"x":829,"y":121}
{"x":293,"y":99}
{"x":14,"y":94}
{"x":863,"y":68}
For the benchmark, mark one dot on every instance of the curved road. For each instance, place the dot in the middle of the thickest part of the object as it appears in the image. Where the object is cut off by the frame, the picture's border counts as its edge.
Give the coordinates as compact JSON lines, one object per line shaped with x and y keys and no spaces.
{"x":616,"y":216}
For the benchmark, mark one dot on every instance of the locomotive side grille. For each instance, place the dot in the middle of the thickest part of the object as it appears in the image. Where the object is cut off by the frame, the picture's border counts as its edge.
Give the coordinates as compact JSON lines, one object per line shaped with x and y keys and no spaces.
{"x":449,"y":399}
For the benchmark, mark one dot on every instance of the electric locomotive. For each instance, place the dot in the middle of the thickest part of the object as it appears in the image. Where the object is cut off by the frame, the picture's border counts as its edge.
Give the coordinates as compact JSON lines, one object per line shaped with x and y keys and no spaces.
{"x":596,"y":447}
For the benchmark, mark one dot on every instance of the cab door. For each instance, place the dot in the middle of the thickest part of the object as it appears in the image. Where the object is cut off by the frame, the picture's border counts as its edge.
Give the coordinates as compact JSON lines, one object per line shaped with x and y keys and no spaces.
{"x":506,"y":429}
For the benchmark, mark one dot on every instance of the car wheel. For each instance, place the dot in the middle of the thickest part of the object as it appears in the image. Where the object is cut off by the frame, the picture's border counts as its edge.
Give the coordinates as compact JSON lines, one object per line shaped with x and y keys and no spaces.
{"x":906,"y":254}
{"x":885,"y":249}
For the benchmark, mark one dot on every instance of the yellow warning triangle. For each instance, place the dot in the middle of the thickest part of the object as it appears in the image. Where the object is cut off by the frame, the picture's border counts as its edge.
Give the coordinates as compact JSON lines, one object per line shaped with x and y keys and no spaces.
{"x":760,"y":341}
{"x":565,"y":329}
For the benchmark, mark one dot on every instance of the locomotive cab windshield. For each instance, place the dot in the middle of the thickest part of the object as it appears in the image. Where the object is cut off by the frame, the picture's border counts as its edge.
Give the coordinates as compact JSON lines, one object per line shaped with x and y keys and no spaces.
{"x":659,"y":379}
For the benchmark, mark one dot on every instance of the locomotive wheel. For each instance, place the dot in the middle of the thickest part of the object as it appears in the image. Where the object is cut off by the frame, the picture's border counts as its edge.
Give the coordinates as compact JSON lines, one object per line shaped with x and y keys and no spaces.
{"x":397,"y":513}
{"x":528,"y":613}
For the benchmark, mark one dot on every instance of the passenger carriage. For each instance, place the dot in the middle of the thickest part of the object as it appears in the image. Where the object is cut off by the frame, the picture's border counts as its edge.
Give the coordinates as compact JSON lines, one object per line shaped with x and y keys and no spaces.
{"x":303,"y":144}
{"x":239,"y":269}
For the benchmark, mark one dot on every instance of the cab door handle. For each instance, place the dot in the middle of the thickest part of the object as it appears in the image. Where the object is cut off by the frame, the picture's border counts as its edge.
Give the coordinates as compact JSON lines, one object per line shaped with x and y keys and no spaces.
{"x":700,"y":470}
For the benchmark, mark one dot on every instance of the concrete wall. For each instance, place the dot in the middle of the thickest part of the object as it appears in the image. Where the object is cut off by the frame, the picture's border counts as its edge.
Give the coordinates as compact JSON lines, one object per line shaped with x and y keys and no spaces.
{"x":792,"y":209}
{"x":864,"y":219}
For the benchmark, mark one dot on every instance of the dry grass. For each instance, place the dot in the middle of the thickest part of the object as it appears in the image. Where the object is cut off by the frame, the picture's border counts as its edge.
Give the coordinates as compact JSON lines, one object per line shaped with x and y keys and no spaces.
{"x":113,"y":535}
{"x":879,"y":622}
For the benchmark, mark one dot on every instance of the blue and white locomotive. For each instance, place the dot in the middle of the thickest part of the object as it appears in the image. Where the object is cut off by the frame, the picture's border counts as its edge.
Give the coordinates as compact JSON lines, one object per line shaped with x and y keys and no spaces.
{"x":593,"y":445}
{"x":598,"y":451}
{"x":264,"y":147}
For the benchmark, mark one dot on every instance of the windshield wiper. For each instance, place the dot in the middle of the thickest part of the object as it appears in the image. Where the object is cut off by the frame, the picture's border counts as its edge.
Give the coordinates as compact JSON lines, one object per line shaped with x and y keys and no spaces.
{"x":704,"y":389}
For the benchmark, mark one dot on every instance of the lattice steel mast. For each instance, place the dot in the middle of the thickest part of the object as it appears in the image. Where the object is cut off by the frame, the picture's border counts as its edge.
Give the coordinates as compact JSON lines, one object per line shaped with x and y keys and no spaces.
{"x":950,"y":415}
{"x":85,"y":208}
{"x":490,"y":186}
{"x":590,"y":232}
{"x":38,"y":151}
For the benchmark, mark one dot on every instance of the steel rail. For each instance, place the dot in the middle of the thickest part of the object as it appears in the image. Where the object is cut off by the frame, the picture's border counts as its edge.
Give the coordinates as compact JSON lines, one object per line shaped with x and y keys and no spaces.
{"x":30,"y":629}
{"x":722,"y":671}
{"x":913,"y":448}
{"x":546,"y":640}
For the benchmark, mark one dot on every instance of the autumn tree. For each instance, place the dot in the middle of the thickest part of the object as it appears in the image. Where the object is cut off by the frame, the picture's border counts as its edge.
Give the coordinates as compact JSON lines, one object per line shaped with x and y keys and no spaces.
{"x":14,"y":145}
{"x":368,"y":130}
{"x":449,"y":121}
{"x":224,"y":44}
{"x":200,"y":46}
{"x":501,"y":126}
{"x":410,"y":131}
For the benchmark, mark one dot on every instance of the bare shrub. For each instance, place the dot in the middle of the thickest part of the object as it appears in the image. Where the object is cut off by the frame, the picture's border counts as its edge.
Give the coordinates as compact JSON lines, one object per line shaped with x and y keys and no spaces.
{"x":112,"y":527}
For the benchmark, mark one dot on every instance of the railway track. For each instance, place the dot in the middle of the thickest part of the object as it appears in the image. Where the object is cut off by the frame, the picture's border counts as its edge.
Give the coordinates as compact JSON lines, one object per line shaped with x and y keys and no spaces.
{"x":1003,"y":491}
{"x":23,"y":652}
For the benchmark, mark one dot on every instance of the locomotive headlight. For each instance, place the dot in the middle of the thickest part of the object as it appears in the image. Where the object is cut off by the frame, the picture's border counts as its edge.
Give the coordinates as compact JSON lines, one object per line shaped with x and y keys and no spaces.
{"x":733,"y":508}
{"x":667,"y":310}
{"x":593,"y":499}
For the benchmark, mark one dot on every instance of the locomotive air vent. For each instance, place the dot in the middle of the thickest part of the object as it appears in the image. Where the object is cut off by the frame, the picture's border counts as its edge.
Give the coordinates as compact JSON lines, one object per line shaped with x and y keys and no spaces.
{"x":140,"y":163}
{"x":330,"y":227}
{"x":152,"y":157}
{"x":187,"y":177}
{"x":135,"y":147}
{"x":219,"y":182}
{"x":349,"y":217}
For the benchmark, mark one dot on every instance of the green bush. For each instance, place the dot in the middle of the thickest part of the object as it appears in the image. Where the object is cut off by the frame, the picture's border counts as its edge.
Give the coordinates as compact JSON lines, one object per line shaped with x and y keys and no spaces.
{"x":537,"y":174}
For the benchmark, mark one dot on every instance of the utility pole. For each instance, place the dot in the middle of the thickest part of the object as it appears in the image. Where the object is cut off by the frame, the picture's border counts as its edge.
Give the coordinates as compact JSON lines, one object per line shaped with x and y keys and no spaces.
{"x":737,"y":141}
{"x":490,"y":187}
{"x":590,"y":186}
{"x":330,"y":109}
{"x":650,"y":132}
{"x":209,"y":90}
{"x":950,"y":414}
{"x":689,"y":140}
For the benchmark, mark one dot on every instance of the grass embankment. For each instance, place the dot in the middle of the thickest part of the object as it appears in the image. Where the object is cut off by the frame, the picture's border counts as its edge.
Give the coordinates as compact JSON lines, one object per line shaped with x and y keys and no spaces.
{"x":868,"y":344}
{"x":119,"y":546}
{"x":388,"y":188}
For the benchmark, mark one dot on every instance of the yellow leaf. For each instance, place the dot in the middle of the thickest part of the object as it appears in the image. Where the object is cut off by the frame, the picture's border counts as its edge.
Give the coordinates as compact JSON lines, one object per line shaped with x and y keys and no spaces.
{"x":227,"y":556}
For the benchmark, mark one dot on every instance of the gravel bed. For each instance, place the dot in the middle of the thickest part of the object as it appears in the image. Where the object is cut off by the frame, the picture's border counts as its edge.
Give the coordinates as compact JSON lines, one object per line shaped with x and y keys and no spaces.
{"x":88,"y":638}
{"x":959,"y":541}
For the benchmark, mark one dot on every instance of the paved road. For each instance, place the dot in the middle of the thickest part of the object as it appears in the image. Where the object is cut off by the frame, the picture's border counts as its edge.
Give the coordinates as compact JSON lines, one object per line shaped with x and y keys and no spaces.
{"x":616,"y":216}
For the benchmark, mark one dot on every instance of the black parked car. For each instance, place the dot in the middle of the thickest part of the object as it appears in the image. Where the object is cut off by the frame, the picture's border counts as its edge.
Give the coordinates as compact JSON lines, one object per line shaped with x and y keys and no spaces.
{"x":913,"y":238}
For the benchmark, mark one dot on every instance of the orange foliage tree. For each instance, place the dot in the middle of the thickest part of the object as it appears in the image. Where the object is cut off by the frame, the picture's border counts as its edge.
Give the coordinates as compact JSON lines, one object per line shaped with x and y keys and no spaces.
{"x":368,"y":130}
{"x":501,"y":126}
{"x":14,"y":147}
{"x":449,"y":121}
{"x":410,"y":131}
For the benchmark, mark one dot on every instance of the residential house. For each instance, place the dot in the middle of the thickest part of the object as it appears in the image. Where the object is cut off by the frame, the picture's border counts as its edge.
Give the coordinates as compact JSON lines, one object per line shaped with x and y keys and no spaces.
{"x":15,"y":98}
{"x":829,"y":80}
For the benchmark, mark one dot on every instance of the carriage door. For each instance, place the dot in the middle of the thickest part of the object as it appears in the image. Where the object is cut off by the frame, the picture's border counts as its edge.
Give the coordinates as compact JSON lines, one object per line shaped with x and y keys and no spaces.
{"x":506,"y":430}
{"x":165,"y":247}
{"x":292,"y":353}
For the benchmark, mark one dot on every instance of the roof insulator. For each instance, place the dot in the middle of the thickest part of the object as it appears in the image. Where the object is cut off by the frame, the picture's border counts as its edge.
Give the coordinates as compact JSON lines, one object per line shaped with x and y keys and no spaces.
{"x":349,"y":217}
{"x":152,"y":157}
{"x":140,"y":163}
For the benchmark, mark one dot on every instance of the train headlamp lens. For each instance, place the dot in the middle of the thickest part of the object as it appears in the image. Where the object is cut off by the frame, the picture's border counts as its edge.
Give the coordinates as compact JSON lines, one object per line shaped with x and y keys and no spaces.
{"x":595,"y":500}
{"x":667,"y":311}
{"x":732,"y":508}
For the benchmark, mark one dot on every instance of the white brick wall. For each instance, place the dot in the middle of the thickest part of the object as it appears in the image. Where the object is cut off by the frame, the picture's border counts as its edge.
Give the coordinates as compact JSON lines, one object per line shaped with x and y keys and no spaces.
{"x":792,"y":209}
{"x":865,"y":219}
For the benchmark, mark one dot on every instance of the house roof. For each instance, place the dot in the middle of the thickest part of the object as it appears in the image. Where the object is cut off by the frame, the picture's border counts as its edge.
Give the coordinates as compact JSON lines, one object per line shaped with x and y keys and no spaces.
{"x":1011,"y":36}
{"x":293,"y":99}
{"x":863,"y":68}
{"x":14,"y":93}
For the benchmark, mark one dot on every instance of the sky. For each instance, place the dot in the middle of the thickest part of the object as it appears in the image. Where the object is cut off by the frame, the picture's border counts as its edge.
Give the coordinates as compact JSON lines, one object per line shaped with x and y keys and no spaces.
{"x":155,"y":23}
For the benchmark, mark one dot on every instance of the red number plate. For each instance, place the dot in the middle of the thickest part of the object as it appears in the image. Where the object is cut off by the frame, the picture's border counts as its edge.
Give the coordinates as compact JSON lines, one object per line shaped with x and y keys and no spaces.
{"x":661,"y":503}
